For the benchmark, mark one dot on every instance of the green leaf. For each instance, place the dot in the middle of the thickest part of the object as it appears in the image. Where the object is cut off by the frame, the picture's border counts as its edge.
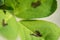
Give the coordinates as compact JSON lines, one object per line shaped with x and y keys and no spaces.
{"x":8,"y":30}
{"x":32,"y":8}
{"x":1,"y":17}
{"x":25,"y":33}
{"x":48,"y":30}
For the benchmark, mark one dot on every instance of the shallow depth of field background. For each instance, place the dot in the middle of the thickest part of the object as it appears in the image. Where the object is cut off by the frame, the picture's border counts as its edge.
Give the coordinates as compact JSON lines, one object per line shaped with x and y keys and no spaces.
{"x":55,"y":18}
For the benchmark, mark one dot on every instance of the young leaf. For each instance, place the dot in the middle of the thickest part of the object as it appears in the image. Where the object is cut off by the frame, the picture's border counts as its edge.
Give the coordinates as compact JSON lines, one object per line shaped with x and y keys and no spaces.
{"x":1,"y":17}
{"x":9,"y":31}
{"x":26,"y":34}
{"x":32,"y":29}
{"x":32,"y":8}
{"x":35,"y":8}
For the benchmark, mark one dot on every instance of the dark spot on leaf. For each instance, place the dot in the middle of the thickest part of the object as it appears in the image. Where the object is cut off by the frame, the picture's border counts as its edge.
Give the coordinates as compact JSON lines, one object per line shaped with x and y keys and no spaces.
{"x":36,"y":4}
{"x":4,"y":7}
{"x":4,"y":23}
{"x":37,"y":34}
{"x":4,"y":11}
{"x":17,"y":2}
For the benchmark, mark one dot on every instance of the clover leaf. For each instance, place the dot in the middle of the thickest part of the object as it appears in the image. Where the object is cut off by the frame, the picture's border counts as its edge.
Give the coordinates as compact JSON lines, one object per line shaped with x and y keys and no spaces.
{"x":38,"y":30}
{"x":8,"y":26}
{"x":33,"y":8}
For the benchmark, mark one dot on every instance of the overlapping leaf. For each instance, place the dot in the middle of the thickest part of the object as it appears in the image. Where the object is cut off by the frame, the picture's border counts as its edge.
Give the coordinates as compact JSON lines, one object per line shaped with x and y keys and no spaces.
{"x":25,"y":8}
{"x":9,"y":31}
{"x":1,"y":17}
{"x":48,"y":30}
